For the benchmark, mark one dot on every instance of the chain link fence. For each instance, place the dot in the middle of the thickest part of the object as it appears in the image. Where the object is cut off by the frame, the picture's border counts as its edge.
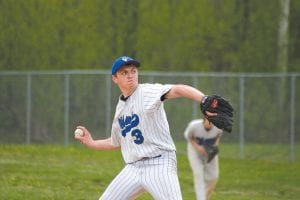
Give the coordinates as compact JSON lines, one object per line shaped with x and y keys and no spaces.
{"x":45,"y":107}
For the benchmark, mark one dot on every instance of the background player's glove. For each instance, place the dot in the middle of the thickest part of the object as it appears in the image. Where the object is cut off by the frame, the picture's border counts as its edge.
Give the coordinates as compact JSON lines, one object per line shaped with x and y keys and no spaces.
{"x":217,"y":104}
{"x":212,"y":151}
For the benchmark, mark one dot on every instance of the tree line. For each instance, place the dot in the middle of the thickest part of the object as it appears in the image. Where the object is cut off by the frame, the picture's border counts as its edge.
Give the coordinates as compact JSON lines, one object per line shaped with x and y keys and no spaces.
{"x":173,"y":35}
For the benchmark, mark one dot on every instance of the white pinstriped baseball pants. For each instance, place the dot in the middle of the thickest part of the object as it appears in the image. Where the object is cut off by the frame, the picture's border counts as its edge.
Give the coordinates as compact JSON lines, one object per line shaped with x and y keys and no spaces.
{"x":205,"y":174}
{"x":158,"y":176}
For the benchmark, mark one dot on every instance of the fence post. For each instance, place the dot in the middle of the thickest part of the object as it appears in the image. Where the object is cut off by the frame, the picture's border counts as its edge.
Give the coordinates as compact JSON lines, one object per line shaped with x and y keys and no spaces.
{"x":28,"y":110}
{"x":292,"y":121}
{"x":108,"y":105}
{"x":242,"y":134}
{"x":67,"y":108}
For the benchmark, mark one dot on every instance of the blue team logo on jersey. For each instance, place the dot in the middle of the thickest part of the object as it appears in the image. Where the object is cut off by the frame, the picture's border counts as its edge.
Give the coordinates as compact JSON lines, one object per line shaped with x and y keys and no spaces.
{"x":128,"y":124}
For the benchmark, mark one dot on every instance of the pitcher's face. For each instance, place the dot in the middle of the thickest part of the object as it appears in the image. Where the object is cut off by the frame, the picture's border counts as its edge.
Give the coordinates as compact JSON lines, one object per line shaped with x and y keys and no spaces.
{"x":126,"y":77}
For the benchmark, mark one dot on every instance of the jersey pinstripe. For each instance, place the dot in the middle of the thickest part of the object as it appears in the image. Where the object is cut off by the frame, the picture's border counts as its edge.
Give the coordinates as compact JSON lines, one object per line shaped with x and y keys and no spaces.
{"x":140,"y":124}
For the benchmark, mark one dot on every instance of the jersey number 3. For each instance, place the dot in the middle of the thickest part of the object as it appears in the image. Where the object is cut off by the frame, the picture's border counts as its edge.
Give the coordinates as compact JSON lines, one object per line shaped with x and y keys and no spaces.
{"x":127,"y":124}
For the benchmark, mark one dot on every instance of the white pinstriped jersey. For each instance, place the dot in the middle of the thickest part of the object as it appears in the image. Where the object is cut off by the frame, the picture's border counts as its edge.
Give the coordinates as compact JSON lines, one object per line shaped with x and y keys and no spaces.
{"x":195,"y":128}
{"x":140,"y":124}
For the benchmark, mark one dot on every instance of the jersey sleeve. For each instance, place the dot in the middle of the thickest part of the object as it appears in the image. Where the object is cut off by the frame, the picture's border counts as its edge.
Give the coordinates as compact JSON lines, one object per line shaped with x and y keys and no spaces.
{"x":153,"y":95}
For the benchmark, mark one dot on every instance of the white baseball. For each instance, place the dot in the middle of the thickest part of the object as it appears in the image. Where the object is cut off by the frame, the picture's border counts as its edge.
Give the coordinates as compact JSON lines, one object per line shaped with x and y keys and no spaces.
{"x":79,"y":132}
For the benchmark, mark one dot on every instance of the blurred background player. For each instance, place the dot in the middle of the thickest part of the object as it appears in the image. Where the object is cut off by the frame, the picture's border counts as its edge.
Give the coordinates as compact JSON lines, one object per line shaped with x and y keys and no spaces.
{"x":201,"y":134}
{"x":141,"y":130}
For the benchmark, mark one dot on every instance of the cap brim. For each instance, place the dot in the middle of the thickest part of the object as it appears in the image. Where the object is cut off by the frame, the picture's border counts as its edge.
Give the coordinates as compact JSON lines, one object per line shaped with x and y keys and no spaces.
{"x":133,"y":62}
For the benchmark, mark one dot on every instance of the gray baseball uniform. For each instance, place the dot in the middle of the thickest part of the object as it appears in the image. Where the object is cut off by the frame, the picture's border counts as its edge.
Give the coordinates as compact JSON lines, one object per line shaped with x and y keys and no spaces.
{"x":204,"y":173}
{"x":141,"y":129}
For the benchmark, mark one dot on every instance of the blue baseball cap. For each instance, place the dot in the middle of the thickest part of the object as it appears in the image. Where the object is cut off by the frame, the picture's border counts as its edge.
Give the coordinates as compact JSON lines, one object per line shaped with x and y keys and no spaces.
{"x":121,"y":61}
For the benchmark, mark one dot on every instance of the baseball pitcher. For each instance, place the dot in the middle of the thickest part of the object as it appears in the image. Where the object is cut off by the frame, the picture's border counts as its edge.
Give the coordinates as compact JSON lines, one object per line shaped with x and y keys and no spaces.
{"x":141,"y":131}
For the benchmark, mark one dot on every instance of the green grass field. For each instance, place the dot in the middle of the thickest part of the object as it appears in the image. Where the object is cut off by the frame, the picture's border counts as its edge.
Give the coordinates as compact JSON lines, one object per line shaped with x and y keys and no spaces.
{"x":58,"y":172}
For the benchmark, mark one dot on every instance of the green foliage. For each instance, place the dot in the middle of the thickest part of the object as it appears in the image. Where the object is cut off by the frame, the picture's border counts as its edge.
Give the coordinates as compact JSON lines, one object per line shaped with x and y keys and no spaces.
{"x":206,"y":35}
{"x":75,"y":172}
{"x":294,"y":59}
{"x":257,"y":35}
